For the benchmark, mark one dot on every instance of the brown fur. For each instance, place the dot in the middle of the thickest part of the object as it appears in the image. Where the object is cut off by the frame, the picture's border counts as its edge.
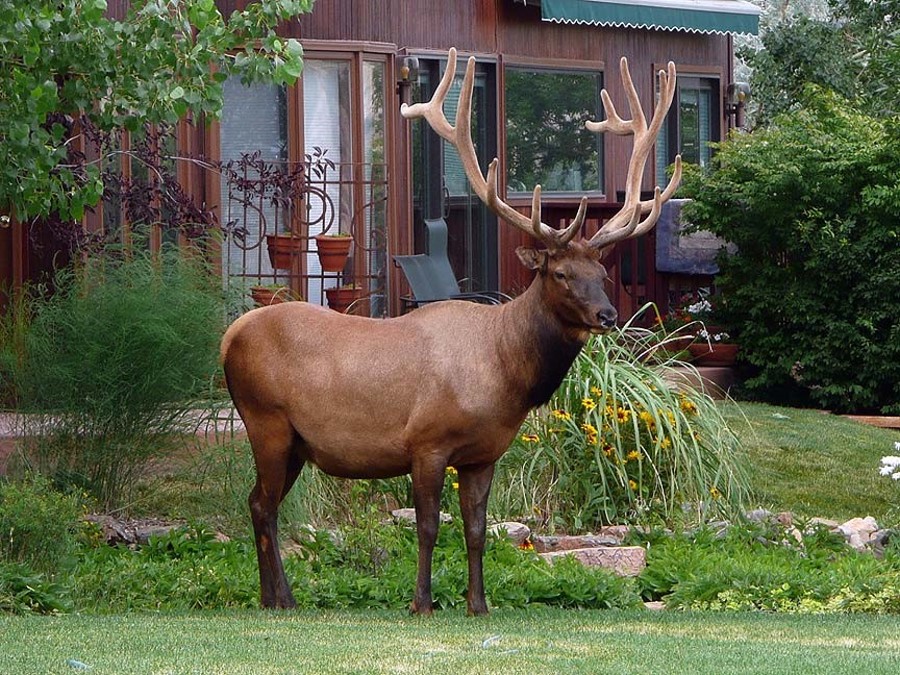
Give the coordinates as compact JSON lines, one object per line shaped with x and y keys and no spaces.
{"x":446,"y":385}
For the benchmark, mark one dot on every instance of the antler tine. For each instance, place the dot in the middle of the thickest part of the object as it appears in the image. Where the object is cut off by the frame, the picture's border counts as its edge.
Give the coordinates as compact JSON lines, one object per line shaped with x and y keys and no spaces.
{"x":626,"y":223}
{"x":460,"y":137}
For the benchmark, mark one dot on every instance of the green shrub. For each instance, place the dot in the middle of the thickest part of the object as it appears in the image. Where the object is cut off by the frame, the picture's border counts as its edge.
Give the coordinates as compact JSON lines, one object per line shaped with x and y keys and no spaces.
{"x":113,"y":360}
{"x":38,"y":525}
{"x":811,"y":294}
{"x":764,"y":567}
{"x":22,"y":590}
{"x":620,"y":443}
{"x":358,"y":566}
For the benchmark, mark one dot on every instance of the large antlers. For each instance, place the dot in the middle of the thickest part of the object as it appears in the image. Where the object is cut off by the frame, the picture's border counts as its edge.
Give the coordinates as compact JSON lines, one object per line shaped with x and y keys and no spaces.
{"x":460,"y":136}
{"x":626,"y":223}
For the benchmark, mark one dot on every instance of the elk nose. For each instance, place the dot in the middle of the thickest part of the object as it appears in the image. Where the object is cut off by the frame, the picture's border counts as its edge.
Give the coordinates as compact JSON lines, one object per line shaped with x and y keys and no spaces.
{"x":607,"y":317}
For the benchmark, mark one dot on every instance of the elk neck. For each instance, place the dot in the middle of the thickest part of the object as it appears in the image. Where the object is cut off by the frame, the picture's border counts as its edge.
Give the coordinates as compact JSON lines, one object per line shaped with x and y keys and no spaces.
{"x":536,"y":348}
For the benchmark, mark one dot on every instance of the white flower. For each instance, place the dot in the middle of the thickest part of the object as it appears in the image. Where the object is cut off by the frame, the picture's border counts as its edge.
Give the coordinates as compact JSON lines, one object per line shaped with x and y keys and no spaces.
{"x":699,"y":307}
{"x":896,"y":476}
{"x":897,"y":446}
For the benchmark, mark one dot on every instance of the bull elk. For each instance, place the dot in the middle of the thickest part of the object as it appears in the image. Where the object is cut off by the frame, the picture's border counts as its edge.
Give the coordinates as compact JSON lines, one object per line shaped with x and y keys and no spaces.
{"x":447,"y":385}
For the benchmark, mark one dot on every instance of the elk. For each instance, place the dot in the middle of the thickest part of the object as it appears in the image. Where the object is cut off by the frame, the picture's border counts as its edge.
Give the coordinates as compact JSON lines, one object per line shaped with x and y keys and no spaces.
{"x":447,"y":385}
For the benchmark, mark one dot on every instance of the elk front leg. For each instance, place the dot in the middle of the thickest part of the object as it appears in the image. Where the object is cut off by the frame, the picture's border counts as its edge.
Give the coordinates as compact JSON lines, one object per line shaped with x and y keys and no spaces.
{"x":474,"y":488}
{"x":428,"y":480}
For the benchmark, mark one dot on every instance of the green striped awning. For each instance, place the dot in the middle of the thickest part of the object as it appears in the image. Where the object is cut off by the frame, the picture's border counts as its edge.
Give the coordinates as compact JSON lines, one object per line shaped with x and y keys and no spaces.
{"x":694,"y":16}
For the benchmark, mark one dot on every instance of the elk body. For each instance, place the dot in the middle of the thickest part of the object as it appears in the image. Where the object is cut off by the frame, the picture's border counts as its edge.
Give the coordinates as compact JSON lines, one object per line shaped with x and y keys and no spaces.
{"x":447,"y":385}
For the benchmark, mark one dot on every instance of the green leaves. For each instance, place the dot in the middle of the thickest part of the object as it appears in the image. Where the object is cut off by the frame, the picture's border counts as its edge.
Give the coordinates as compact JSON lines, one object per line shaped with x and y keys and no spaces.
{"x":811,"y":204}
{"x":164,"y":60}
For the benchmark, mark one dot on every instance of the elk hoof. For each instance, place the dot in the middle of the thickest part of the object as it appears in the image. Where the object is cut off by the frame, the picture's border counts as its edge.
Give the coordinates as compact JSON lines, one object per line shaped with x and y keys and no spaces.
{"x":422,"y":610}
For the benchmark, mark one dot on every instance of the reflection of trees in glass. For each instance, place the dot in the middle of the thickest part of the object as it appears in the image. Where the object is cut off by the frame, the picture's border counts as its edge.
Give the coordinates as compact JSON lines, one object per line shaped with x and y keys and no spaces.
{"x":546,"y":141}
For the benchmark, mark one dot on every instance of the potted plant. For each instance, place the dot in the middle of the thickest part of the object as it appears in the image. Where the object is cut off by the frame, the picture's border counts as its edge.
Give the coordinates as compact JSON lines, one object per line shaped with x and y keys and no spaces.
{"x":341,"y":297}
{"x":333,"y":250}
{"x":706,"y":343}
{"x":283,"y":248}
{"x":271,"y":295}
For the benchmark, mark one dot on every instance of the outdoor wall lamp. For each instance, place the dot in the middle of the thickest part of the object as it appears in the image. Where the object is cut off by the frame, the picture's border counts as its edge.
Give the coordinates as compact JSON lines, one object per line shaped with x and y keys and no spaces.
{"x":409,"y":73}
{"x":736,"y":95}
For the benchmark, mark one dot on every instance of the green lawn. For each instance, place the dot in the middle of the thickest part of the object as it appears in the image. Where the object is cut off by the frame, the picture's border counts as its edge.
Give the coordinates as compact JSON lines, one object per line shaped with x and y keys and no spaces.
{"x":530,"y":641}
{"x":815,"y":464}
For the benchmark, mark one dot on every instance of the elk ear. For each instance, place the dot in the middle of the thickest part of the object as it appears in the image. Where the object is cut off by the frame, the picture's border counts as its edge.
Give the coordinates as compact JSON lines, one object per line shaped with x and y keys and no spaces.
{"x":531,"y":258}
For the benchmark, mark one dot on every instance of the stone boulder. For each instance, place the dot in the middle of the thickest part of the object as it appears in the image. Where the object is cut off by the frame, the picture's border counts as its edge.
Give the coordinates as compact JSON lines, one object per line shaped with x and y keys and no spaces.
{"x":626,"y":561}
{"x":517,"y":532}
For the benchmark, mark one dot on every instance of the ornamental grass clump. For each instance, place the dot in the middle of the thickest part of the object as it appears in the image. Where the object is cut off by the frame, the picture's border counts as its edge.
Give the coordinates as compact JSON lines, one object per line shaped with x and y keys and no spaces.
{"x":620,"y":443}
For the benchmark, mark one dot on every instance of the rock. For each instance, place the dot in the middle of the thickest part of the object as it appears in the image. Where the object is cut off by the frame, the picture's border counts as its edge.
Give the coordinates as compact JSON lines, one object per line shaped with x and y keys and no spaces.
{"x":858,"y":531}
{"x":759,"y":515}
{"x":517,"y":532}
{"x":409,"y":515}
{"x":879,"y":540}
{"x":654,"y":605}
{"x":785,"y":518}
{"x":823,"y":522}
{"x":626,"y":561}
{"x":550,"y":544}
{"x":130,"y":532}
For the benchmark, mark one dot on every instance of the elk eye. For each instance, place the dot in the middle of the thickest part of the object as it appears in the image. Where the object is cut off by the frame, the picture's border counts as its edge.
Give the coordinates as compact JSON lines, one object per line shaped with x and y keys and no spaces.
{"x":561,"y":276}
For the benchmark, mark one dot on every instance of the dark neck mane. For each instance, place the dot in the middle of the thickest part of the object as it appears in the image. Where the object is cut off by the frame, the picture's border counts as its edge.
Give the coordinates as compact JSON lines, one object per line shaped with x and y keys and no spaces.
{"x":547,"y":347}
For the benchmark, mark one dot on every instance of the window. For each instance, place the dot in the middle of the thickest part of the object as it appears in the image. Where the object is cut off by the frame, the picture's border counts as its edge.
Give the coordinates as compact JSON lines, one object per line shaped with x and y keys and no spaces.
{"x":692,"y":124}
{"x":546,"y":141}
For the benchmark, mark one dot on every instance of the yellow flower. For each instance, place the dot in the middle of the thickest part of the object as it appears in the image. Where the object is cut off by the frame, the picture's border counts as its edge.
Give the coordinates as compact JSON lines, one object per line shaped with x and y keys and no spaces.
{"x":665,"y":443}
{"x":589,"y":428}
{"x":596,"y":392}
{"x":634,"y":455}
{"x":647,"y":418}
{"x":561,"y":415}
{"x":688,"y":406}
{"x":451,"y":471}
{"x":531,"y":438}
{"x":623,"y":415}
{"x":632,"y":485}
{"x":588,"y":404}
{"x":714,"y":492}
{"x":608,"y":449}
{"x":456,"y":486}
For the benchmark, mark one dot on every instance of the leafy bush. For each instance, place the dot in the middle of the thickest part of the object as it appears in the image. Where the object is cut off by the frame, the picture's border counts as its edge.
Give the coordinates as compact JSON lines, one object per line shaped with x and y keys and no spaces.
{"x":811,"y":293}
{"x":764,"y":567}
{"x":38,"y":525}
{"x":23,"y":590}
{"x":112,"y":362}
{"x":359,"y":566}
{"x":620,"y":444}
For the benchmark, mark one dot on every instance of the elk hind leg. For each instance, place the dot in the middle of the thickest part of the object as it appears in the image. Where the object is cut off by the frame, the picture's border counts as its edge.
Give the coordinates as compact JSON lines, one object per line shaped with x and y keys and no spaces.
{"x":474,"y":489}
{"x":278,"y":457}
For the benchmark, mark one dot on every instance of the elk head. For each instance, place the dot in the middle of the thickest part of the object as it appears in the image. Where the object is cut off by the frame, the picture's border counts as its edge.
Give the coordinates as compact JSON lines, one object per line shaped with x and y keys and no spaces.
{"x":569,"y":268}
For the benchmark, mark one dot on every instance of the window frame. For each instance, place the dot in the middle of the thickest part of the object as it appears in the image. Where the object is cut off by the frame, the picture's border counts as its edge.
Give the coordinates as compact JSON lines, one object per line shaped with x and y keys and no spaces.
{"x":574,"y":66}
{"x":687,"y":76}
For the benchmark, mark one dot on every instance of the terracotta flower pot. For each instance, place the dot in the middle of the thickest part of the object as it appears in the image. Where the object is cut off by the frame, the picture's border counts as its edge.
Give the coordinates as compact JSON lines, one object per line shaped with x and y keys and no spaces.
{"x":333,"y":251}
{"x":340,"y":299}
{"x":282,"y":249}
{"x":265,"y":295}
{"x":714,"y":353}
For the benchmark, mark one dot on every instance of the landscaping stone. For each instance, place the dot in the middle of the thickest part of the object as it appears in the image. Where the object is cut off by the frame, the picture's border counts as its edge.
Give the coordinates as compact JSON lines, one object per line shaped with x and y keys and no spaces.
{"x":517,"y":532}
{"x":858,"y":531}
{"x":130,"y":532}
{"x":626,"y":561}
{"x":409,"y":515}
{"x":550,"y":544}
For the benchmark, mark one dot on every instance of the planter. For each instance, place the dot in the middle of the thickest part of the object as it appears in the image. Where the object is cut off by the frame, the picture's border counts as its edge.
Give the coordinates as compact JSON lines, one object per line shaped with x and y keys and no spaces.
{"x":283,"y":248}
{"x":339,"y":299}
{"x":333,"y":251}
{"x":266,"y":295}
{"x":713,"y":354}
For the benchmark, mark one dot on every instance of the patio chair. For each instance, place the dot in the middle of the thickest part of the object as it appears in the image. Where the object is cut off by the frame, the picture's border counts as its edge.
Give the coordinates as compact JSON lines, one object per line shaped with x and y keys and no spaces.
{"x":430,"y":276}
